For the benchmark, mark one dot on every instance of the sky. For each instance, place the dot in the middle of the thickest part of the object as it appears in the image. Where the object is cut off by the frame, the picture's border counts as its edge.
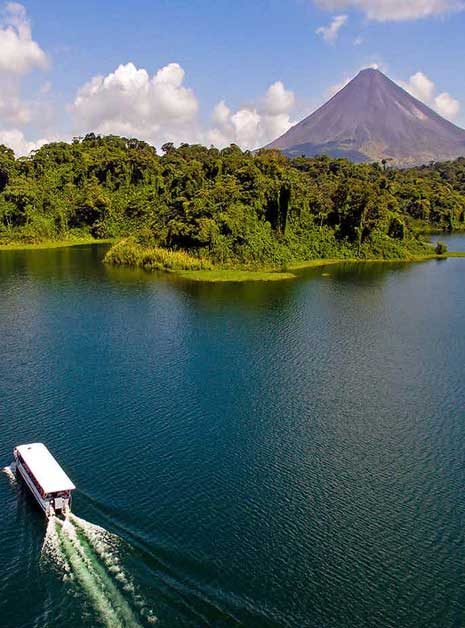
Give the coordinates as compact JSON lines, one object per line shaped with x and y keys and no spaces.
{"x":213,"y":72}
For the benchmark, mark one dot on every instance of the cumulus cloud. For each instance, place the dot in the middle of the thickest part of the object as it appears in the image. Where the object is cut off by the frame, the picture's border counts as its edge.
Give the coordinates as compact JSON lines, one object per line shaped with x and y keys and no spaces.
{"x":330,"y":33}
{"x":13,"y":111}
{"x":130,"y":102}
{"x":447,"y":106}
{"x":254,"y":125}
{"x":19,"y":55}
{"x":278,"y":100}
{"x":423,"y":88}
{"x":395,"y":10}
{"x":19,"y":52}
{"x":160,"y":108}
{"x":420,"y":86}
{"x":15,"y":139}
{"x":221,"y":113}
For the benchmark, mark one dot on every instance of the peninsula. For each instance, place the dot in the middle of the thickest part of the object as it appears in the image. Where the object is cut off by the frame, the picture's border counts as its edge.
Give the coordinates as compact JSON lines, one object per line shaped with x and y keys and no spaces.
{"x":224,"y":213}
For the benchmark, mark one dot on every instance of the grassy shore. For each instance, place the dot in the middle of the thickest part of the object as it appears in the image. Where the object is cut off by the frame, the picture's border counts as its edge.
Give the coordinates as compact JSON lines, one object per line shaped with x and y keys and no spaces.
{"x":233,"y":275}
{"x":50,"y":244}
{"x":217,"y":275}
{"x":455,"y":254}
{"x":293,"y":269}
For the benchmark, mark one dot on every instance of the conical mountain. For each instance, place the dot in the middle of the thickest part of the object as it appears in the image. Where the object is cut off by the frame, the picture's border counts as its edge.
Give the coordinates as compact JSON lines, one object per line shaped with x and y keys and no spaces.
{"x":371,"y":119}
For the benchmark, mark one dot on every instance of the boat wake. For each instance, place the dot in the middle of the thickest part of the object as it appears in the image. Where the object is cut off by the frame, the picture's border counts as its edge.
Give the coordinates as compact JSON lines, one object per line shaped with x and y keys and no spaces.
{"x":10,"y":473}
{"x":87,"y":556}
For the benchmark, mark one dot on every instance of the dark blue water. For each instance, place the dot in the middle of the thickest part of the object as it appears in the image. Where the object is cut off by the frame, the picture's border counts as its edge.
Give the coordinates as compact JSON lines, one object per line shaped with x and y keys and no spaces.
{"x":286,"y":454}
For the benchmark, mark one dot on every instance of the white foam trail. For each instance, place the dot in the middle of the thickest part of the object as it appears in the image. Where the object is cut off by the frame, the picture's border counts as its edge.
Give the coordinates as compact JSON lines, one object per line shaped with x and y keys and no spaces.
{"x":105,"y":546}
{"x":52,"y":551}
{"x":10,"y":473}
{"x":87,"y":578}
{"x":88,"y":554}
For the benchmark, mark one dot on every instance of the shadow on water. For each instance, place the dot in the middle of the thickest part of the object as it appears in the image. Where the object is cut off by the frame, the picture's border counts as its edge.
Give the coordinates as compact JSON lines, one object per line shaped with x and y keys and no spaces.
{"x":86,"y":263}
{"x":54,"y":264}
{"x":216,"y":296}
{"x":357,"y":273}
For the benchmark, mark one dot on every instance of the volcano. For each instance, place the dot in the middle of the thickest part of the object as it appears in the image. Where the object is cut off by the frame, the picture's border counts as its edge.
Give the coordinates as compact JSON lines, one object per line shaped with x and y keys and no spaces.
{"x":372,"y":119}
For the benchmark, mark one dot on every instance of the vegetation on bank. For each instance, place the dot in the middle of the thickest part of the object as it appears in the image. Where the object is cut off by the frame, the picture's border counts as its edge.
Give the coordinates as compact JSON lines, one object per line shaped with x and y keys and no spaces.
{"x":196,"y":209}
{"x":234,"y":276}
{"x":130,"y":253}
{"x":123,"y":253}
{"x":51,"y":244}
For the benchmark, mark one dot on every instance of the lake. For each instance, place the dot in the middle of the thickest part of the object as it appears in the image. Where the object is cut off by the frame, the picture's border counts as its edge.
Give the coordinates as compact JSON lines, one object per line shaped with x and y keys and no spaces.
{"x":284,"y":454}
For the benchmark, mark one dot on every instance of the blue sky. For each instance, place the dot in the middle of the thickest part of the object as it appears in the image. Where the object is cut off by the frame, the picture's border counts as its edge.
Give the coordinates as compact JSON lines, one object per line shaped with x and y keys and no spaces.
{"x":222,"y":52}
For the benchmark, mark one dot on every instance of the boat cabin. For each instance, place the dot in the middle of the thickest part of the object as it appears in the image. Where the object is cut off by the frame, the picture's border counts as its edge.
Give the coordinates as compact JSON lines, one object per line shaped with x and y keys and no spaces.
{"x":44,"y":477}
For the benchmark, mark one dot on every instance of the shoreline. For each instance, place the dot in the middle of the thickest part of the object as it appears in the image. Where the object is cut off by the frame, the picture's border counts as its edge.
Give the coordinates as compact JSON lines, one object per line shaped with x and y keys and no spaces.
{"x":51,"y":244}
{"x":240,"y":276}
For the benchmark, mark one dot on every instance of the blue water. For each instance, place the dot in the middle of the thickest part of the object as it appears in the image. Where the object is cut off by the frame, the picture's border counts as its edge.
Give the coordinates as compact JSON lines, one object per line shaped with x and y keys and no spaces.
{"x":286,"y":454}
{"x":454,"y":241}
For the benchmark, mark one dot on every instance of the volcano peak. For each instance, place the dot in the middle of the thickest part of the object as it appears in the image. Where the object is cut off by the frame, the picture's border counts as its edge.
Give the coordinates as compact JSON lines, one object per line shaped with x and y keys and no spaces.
{"x":370,"y":119}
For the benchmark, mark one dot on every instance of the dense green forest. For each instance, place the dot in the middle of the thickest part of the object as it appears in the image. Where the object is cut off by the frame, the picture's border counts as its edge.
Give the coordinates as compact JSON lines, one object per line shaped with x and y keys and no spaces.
{"x":223,"y":207}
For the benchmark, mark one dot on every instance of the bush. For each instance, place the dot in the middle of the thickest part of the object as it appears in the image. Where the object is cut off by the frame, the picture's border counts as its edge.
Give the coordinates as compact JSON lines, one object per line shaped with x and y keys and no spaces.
{"x":131,"y":253}
{"x":441,"y":248}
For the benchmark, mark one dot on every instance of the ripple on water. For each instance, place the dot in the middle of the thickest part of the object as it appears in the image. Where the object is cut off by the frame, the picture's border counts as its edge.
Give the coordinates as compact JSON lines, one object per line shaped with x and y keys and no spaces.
{"x":271,"y":455}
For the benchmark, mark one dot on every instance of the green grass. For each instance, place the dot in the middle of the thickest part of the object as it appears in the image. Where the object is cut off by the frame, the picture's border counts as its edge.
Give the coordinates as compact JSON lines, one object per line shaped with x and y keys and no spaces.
{"x":130,"y":253}
{"x":195,"y":268}
{"x":270,"y":275}
{"x":233,"y":275}
{"x":50,"y":244}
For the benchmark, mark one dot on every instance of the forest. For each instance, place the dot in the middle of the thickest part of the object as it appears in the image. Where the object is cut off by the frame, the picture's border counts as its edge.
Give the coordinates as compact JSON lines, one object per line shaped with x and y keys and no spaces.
{"x":198,"y":207}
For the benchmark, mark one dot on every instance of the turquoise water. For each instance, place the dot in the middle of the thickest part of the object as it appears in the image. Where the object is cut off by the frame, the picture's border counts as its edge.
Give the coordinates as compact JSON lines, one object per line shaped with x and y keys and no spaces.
{"x":287,"y":454}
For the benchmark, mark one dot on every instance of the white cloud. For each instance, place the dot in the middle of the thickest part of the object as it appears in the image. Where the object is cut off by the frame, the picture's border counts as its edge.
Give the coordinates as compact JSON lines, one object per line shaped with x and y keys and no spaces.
{"x":254,"y":125}
{"x":423,"y":88}
{"x":447,"y":106}
{"x":420,"y":86}
{"x":160,"y":109}
{"x":221,"y":113}
{"x":19,"y":55}
{"x":246,"y":123}
{"x":15,"y":139}
{"x":13,"y":111}
{"x":358,"y":41}
{"x":331,"y":32}
{"x":277,"y":99}
{"x":395,"y":10}
{"x":19,"y":52}
{"x":130,"y":102}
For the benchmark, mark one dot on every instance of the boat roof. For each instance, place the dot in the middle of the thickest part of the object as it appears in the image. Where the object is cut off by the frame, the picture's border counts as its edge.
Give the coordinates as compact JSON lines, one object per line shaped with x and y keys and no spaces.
{"x":45,"y":468}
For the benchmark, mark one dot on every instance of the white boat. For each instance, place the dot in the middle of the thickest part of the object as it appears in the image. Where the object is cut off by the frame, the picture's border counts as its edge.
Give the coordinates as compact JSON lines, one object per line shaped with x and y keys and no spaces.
{"x":44,"y":477}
